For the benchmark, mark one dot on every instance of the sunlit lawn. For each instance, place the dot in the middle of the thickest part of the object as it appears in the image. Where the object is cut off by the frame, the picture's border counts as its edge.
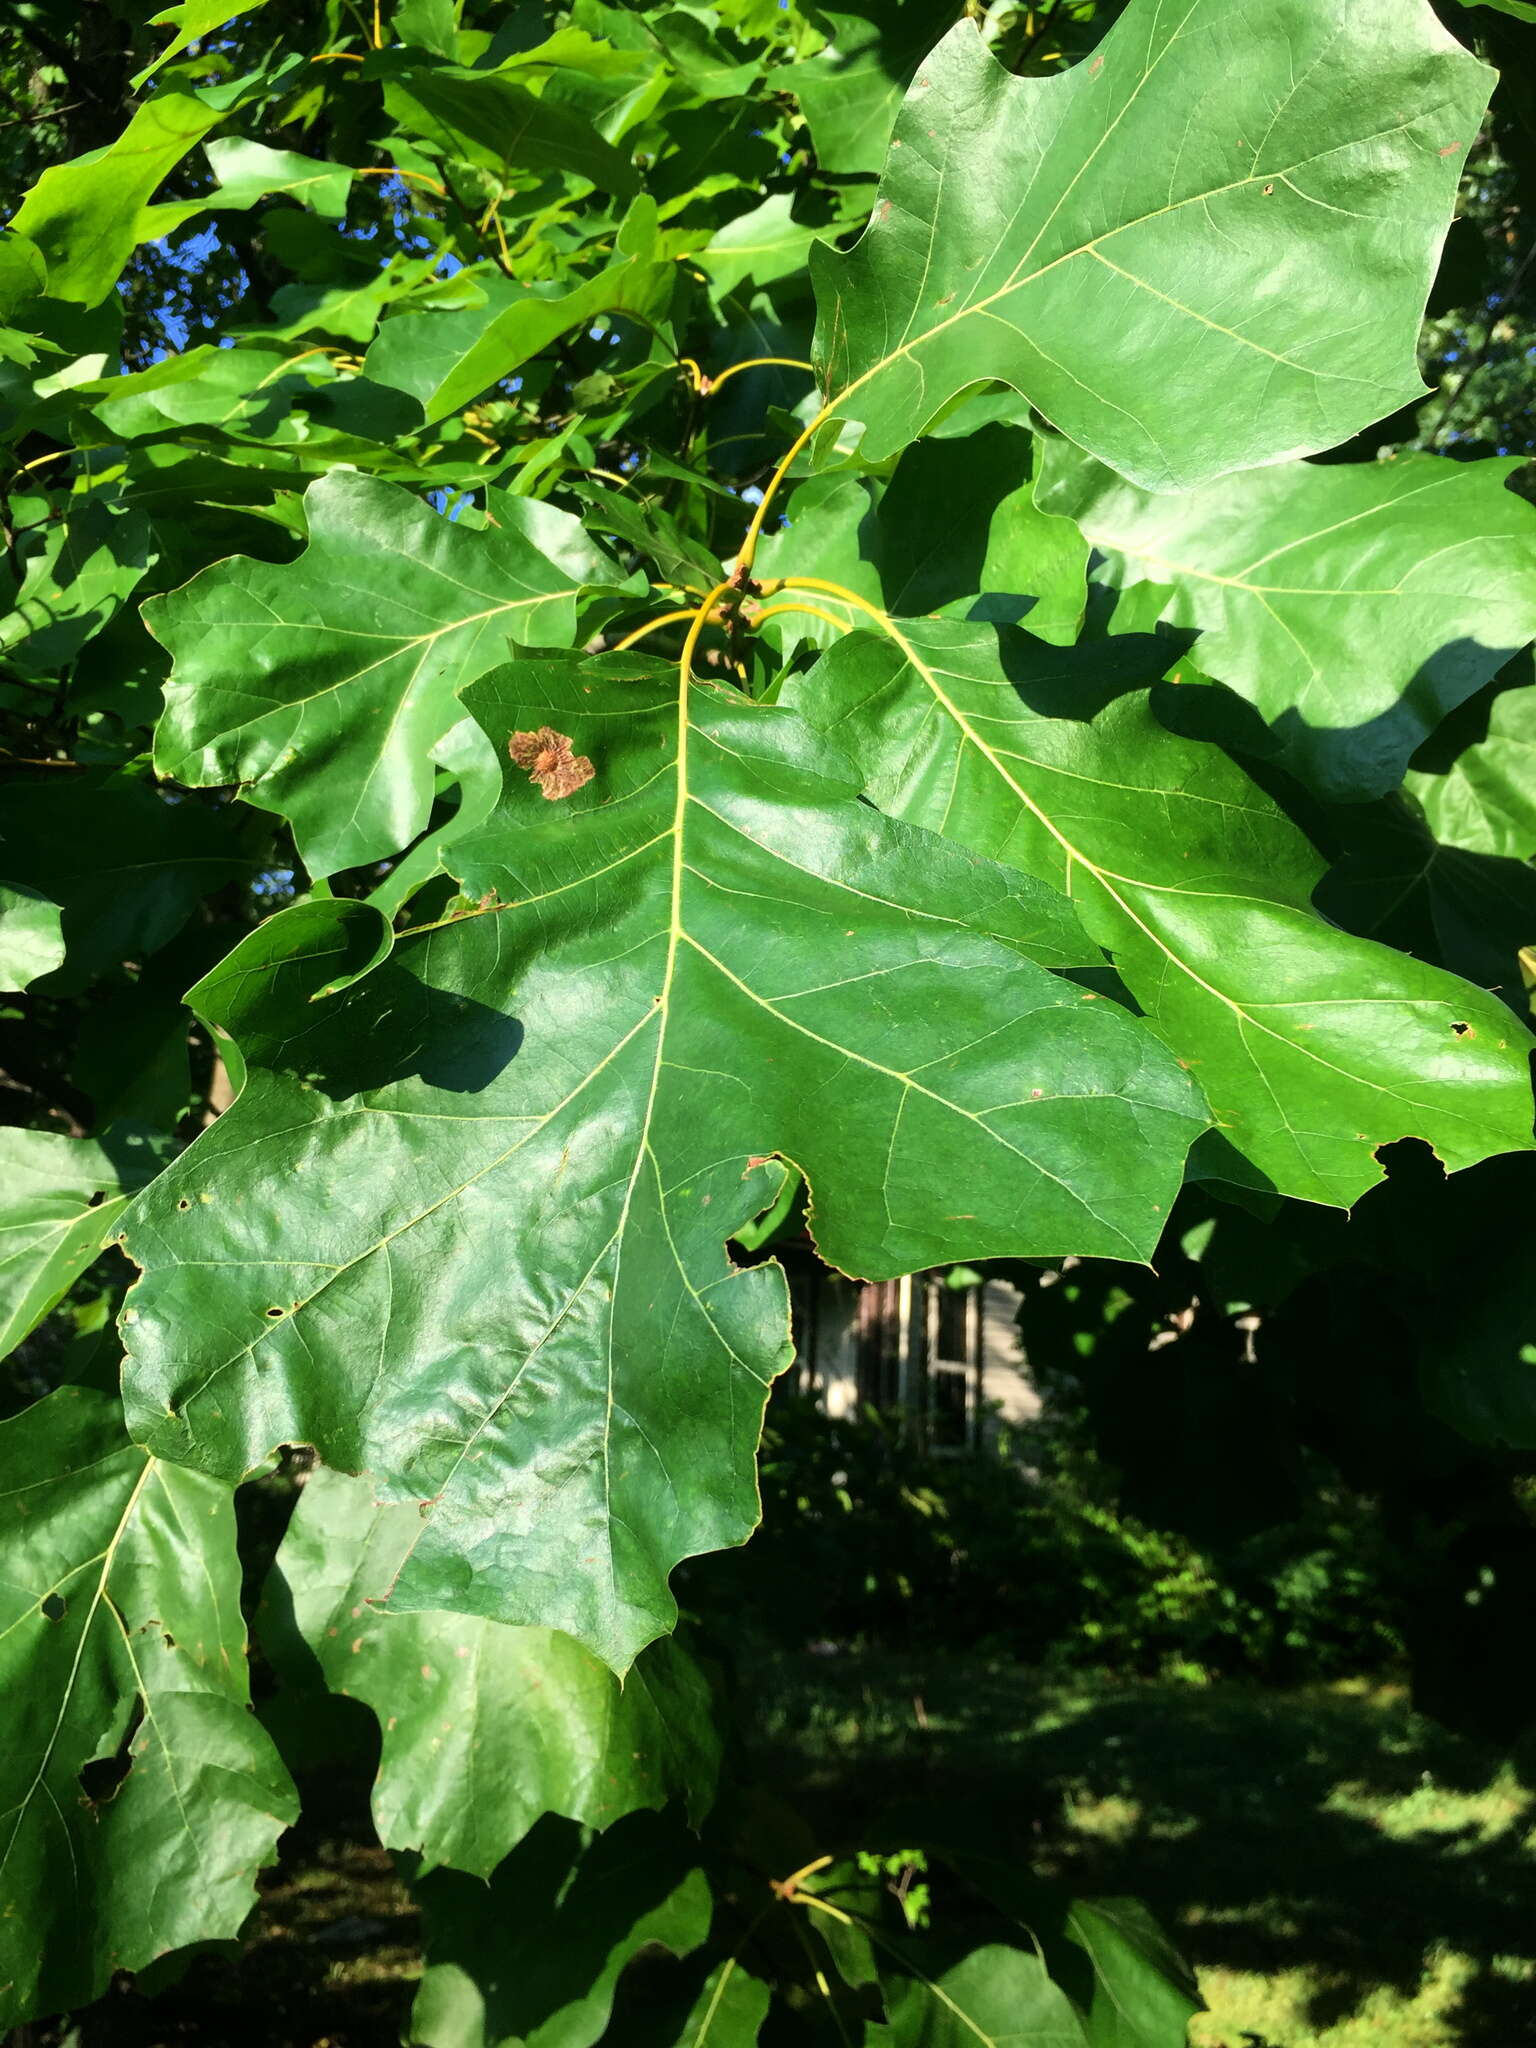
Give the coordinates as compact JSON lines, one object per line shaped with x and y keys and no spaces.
{"x":1340,"y":1872}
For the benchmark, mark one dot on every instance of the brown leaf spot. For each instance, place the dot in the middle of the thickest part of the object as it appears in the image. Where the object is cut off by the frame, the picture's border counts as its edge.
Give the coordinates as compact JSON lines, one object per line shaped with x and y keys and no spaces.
{"x":1450,"y":149}
{"x":547,"y":756}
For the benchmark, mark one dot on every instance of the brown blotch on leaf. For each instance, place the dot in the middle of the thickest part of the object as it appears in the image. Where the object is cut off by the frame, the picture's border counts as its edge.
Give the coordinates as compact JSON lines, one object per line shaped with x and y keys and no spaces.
{"x":547,"y":756}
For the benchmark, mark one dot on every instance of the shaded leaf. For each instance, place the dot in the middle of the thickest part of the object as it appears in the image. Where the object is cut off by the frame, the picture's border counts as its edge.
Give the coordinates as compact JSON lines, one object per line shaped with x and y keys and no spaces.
{"x":485,"y":1727}
{"x":493,"y":115}
{"x":729,"y":2011}
{"x":532,"y":1959}
{"x":126,"y":866}
{"x":1352,"y":604}
{"x":122,"y":1638}
{"x":1312,"y":1047}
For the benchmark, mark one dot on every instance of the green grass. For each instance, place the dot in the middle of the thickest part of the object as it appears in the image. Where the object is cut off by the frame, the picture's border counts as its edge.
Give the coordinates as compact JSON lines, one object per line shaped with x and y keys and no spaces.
{"x":1340,"y":1872}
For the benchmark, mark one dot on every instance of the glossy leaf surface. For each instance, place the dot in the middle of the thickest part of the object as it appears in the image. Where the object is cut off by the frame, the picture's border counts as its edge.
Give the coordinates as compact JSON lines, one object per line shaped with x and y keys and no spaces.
{"x":122,"y":1639}
{"x":1312,"y":1048}
{"x":709,"y":955}
{"x":1353,"y":604}
{"x":1205,"y":248}
{"x":346,"y":663}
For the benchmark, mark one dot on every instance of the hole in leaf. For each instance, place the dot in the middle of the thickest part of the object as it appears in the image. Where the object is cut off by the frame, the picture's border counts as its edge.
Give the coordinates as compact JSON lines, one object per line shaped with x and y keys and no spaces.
{"x":53,"y":1606}
{"x":1463,"y":1031}
{"x":275,"y":1312}
{"x":183,"y":1203}
{"x":101,"y":1777}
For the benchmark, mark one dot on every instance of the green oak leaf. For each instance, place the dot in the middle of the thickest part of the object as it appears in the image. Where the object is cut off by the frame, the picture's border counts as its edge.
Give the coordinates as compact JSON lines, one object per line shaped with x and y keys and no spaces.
{"x":1475,"y":779}
{"x":495,"y":119}
{"x":729,"y":2010}
{"x":850,"y":92}
{"x":995,"y":1997}
{"x":86,"y":216}
{"x":60,"y":1199}
{"x":515,"y":1151}
{"x":447,"y":359}
{"x":532,"y":1960}
{"x":485,"y":1727}
{"x":122,"y":1638}
{"x":78,"y":577}
{"x":192,"y":20}
{"x":431,"y":25}
{"x":763,"y":244}
{"x":247,"y":171}
{"x":248,"y":388}
{"x":323,"y":684}
{"x":1205,"y":248}
{"x":1312,"y":1047}
{"x":1353,"y":604}
{"x":31,"y":937}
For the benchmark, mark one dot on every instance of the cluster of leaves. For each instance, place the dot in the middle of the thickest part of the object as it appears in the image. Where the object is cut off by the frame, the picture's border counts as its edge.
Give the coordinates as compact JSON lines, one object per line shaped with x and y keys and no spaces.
{"x":1079,"y":796}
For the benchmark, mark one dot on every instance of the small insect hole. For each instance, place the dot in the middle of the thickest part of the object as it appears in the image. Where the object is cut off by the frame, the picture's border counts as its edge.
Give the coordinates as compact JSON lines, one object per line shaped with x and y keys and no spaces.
{"x":183,"y":1203}
{"x":1267,"y":190}
{"x":53,"y":1607}
{"x":1464,"y":1031}
{"x":276,"y":1312}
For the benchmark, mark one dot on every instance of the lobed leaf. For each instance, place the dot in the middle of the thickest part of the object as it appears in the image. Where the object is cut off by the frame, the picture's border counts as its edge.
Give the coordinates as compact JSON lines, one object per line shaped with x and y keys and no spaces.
{"x":1204,"y":249}
{"x":138,"y":1795}
{"x":1313,"y":1048}
{"x":339,"y":672}
{"x":485,"y":1728}
{"x":512,"y":1154}
{"x":60,"y":1199}
{"x":1353,"y":604}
